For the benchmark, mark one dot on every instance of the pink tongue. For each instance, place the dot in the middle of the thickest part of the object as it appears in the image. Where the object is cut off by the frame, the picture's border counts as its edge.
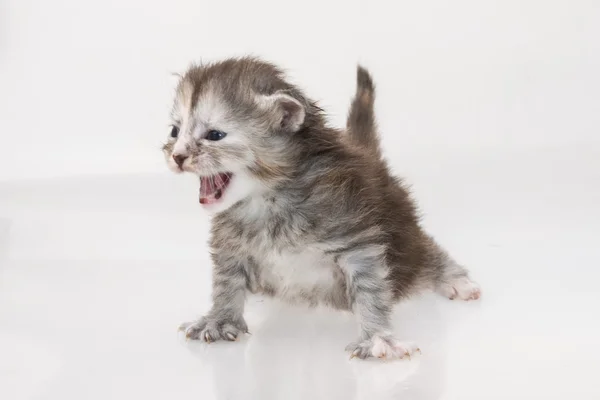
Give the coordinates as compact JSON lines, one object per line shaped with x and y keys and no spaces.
{"x":211,"y":187}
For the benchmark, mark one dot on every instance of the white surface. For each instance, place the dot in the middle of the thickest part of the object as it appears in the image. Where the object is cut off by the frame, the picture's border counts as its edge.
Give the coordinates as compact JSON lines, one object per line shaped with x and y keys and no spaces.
{"x":489,"y":109}
{"x":98,"y":272}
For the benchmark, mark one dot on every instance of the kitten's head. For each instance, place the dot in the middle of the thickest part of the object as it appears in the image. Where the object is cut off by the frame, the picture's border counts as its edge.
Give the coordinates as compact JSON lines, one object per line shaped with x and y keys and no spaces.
{"x":231,"y":125}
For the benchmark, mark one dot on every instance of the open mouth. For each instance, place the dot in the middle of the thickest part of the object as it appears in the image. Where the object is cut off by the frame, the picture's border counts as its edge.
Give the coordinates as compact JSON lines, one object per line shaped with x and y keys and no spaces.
{"x":212,"y":187}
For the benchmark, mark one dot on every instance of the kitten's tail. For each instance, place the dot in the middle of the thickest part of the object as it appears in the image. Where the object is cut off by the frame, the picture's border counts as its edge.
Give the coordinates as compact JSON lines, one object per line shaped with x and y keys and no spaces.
{"x":361,"y":124}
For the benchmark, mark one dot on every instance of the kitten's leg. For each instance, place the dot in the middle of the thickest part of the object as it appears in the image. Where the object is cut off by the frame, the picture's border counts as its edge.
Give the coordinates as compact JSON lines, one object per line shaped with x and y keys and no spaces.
{"x":450,"y":279}
{"x":225,"y":320}
{"x":371,"y":298}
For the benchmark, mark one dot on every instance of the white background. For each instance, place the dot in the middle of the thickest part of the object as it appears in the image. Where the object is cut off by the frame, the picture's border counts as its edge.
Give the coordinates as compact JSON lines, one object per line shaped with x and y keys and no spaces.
{"x":85,"y":86}
{"x":490,"y":109}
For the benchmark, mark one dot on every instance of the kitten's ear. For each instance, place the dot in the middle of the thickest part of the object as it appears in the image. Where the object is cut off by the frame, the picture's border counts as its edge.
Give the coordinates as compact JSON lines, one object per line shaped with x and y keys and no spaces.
{"x":287,"y":113}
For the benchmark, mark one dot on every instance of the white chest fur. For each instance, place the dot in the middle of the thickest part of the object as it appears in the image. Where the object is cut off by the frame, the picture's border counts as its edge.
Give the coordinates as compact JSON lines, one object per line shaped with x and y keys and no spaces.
{"x":286,"y":263}
{"x":301,"y":275}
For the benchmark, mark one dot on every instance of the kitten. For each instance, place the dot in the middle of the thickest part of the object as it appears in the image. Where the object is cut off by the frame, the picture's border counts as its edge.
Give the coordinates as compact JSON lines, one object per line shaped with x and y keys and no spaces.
{"x":301,"y":211}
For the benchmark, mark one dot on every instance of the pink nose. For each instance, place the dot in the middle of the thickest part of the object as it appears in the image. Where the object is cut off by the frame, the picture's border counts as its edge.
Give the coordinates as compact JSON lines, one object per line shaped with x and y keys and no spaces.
{"x":179,"y":159}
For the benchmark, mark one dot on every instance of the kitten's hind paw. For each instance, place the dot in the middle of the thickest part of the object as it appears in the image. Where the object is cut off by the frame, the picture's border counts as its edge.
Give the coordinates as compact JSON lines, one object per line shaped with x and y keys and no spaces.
{"x":461,"y":288}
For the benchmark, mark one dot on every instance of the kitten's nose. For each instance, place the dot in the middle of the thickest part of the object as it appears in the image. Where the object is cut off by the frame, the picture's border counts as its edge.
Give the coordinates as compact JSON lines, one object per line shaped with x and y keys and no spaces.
{"x":179,"y":159}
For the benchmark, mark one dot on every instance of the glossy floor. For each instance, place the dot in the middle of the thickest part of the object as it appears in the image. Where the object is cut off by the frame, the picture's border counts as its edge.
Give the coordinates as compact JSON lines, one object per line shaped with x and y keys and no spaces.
{"x":97,"y":273}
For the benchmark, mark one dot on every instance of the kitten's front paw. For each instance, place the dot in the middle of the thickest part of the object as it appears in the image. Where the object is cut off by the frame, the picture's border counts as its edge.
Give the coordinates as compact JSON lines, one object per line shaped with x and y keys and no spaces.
{"x":384,"y":347}
{"x":211,"y":329}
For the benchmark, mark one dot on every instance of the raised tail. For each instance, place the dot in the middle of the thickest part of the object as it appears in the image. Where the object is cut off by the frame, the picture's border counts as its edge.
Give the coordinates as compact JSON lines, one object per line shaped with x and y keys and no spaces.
{"x":361,"y":124}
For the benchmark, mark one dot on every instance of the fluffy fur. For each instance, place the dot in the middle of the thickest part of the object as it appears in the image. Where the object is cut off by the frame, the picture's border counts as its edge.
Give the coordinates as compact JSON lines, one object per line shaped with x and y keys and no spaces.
{"x":312,"y":214}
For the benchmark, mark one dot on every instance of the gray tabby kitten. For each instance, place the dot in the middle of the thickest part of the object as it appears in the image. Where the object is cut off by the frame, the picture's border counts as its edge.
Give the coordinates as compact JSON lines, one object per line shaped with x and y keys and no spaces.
{"x":301,"y":211}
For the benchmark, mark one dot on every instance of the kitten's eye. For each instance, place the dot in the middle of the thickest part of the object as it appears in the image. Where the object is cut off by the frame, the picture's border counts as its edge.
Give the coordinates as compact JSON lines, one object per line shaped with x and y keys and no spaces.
{"x":215,"y":135}
{"x":174,"y":132}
